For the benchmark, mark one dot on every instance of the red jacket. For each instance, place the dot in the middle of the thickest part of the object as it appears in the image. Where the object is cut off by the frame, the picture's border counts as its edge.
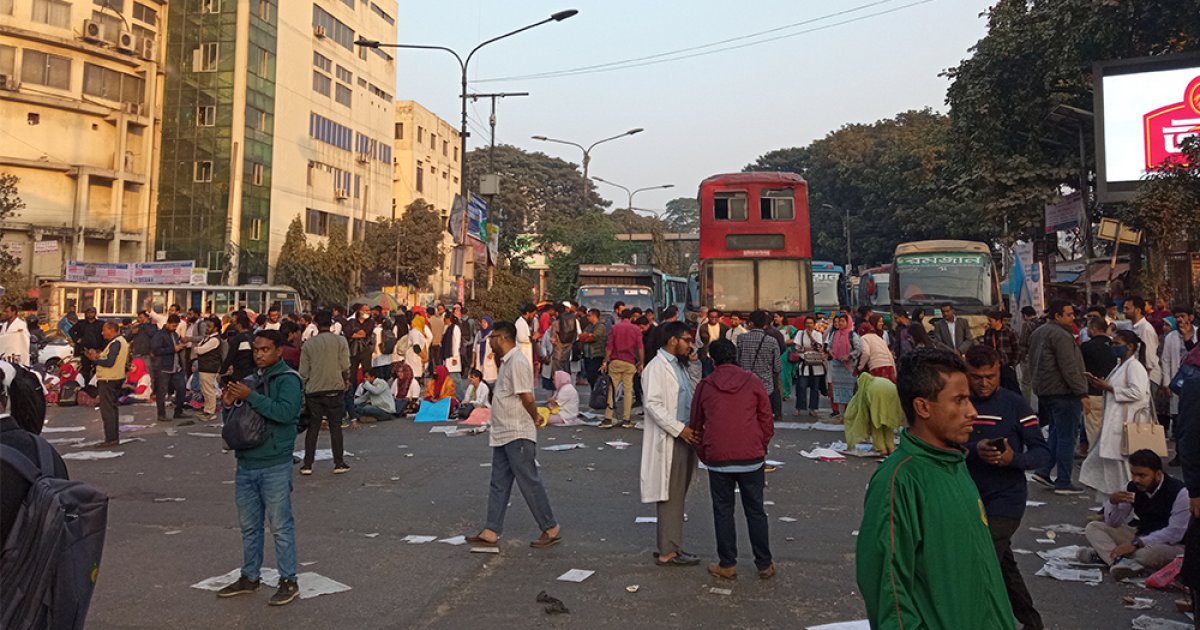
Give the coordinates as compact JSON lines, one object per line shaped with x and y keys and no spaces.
{"x":731,"y":415}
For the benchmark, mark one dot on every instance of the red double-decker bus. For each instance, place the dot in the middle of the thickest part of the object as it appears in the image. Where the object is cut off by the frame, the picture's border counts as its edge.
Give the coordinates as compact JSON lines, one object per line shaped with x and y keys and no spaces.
{"x":755,"y":245}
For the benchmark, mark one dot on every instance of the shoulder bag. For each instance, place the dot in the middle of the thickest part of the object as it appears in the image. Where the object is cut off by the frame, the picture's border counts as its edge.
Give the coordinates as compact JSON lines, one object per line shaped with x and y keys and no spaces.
{"x":1144,"y":432}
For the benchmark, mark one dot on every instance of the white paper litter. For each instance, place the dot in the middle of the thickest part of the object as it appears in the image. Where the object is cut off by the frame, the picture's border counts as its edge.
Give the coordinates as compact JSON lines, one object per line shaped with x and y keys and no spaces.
{"x":74,"y":440}
{"x":793,"y":425}
{"x":1022,"y":552}
{"x":372,"y":535}
{"x":1061,"y":571}
{"x":485,"y":550}
{"x":173,"y":532}
{"x":564,"y":447}
{"x":1034,"y":503}
{"x":787,"y":519}
{"x":1141,"y":603}
{"x":311,"y":584}
{"x":132,"y":427}
{"x":211,"y":435}
{"x":455,"y":540}
{"x":619,"y":445}
{"x":768,"y":503}
{"x":575,"y":575}
{"x":99,"y":442}
{"x":1045,"y":541}
{"x":828,"y":426}
{"x":61,"y":429}
{"x":823,"y":454}
{"x":169,"y":499}
{"x":646,"y":519}
{"x":861,"y":624}
{"x":1070,"y":552}
{"x":720,"y":591}
{"x":1146,"y":622}
{"x":321,"y":454}
{"x":444,"y":429}
{"x":1060,"y":528}
{"x":92,"y":455}
{"x":774,"y":462}
{"x":414,"y":539}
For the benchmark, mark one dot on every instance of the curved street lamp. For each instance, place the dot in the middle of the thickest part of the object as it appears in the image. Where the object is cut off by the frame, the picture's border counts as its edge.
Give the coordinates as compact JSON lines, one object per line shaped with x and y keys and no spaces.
{"x":587,"y":152}
{"x":633,"y":192}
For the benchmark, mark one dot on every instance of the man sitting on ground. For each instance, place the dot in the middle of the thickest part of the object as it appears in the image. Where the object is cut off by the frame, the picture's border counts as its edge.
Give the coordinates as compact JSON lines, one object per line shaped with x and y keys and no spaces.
{"x":1160,"y":503}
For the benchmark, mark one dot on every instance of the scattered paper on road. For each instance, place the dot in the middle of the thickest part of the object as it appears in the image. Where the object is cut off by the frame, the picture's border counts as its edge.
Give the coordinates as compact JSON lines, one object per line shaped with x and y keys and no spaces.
{"x":1070,"y":552}
{"x":1138,"y":603}
{"x":1063,"y":572}
{"x":787,"y":519}
{"x":414,"y":539}
{"x":774,"y":462}
{"x":61,"y":429}
{"x":447,"y":429}
{"x":1045,"y":541}
{"x":1022,"y":552}
{"x":645,"y":519}
{"x":99,"y":442}
{"x":575,"y":575}
{"x":208,"y":435}
{"x":169,"y":499}
{"x":564,"y":447}
{"x":92,"y":455}
{"x":1060,"y":528}
{"x":861,"y":624}
{"x":311,"y":584}
{"x":824,"y":455}
{"x":720,"y":591}
{"x":1034,"y":503}
{"x":1146,"y":622}
{"x":619,"y":445}
{"x":485,"y":550}
{"x":173,"y":532}
{"x":125,"y":428}
{"x":455,"y":540}
{"x":321,"y":454}
{"x":74,"y":440}
{"x":372,"y":535}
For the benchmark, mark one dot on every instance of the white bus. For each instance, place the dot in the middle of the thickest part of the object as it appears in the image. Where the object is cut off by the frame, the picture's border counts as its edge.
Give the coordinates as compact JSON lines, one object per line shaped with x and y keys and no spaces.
{"x":57,"y":298}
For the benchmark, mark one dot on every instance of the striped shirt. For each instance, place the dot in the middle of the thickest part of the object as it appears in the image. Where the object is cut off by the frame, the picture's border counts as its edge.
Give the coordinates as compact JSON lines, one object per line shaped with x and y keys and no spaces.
{"x":759,"y":353}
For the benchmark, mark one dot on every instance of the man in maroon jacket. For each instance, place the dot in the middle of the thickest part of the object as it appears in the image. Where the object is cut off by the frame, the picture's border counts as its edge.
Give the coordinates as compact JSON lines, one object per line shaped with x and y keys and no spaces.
{"x":733,"y":423}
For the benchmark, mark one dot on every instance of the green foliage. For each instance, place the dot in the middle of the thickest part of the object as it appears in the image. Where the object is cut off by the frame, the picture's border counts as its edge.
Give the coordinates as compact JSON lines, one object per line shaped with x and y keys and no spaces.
{"x":14,"y":282}
{"x":683,"y":214}
{"x":570,"y":242}
{"x":406,"y":250}
{"x":503,"y":301}
{"x":324,"y":274}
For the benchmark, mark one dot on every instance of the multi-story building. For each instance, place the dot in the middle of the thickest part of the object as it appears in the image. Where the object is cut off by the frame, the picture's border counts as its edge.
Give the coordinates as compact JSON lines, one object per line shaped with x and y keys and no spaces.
{"x":427,"y":166}
{"x":271,"y":113}
{"x":79,"y":103}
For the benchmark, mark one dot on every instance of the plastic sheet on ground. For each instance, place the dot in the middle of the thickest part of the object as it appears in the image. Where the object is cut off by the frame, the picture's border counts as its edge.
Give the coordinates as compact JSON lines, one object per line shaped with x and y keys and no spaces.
{"x":575,"y":575}
{"x":444,"y":429}
{"x":1064,"y":572}
{"x":61,"y":429}
{"x":321,"y":454}
{"x":824,"y":454}
{"x":454,"y":540}
{"x":311,"y":584}
{"x":564,"y":447}
{"x":1146,"y":622}
{"x":92,"y":455}
{"x":861,"y":624}
{"x":126,"y":428}
{"x":1070,"y":552}
{"x":414,"y":539}
{"x":1059,"y":528}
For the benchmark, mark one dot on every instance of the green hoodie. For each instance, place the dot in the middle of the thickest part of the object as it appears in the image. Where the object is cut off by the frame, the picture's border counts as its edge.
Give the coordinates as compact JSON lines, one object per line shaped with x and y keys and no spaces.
{"x":925,"y":556}
{"x":281,"y":409}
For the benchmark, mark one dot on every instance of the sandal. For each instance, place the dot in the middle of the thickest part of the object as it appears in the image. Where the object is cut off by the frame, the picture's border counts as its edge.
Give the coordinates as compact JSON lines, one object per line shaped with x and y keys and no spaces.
{"x":545,"y":541}
{"x":477,"y":540}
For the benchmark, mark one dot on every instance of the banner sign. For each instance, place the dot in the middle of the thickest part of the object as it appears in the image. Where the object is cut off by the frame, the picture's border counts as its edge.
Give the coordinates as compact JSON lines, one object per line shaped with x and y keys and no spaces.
{"x":942,"y":260}
{"x":1064,"y":213}
{"x":167,"y":272}
{"x":45,"y":247}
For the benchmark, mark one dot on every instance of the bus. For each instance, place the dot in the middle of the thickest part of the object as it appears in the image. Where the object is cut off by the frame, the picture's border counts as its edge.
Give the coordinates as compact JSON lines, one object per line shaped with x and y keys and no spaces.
{"x":640,"y":286}
{"x":57,"y":298}
{"x":828,"y":287}
{"x":755,"y":245}
{"x":873,"y":289}
{"x":929,"y":274}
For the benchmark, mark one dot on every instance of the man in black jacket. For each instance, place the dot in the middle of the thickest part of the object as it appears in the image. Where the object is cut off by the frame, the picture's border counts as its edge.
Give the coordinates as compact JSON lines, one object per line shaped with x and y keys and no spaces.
{"x":141,"y":334}
{"x":86,"y":335}
{"x":239,"y":359}
{"x":1098,"y":360}
{"x":168,"y":370}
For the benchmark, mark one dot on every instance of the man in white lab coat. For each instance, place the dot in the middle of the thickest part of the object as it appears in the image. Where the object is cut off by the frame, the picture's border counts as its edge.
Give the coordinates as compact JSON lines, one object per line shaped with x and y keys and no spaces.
{"x":668,"y":461}
{"x":525,"y":330}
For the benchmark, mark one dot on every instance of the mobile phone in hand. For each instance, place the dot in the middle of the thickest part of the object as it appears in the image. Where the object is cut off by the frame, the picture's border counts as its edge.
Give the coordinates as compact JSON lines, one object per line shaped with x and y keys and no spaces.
{"x":999,"y":444}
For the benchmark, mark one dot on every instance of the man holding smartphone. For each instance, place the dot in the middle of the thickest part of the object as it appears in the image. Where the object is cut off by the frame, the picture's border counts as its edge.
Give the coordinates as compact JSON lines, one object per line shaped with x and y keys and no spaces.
{"x":1005,"y":442}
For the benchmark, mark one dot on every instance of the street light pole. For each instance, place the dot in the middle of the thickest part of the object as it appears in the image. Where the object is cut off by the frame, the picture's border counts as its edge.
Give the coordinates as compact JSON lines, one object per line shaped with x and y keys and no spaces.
{"x":587,"y":153}
{"x":846,"y":229}
{"x":463,"y":132}
{"x":633,"y":192}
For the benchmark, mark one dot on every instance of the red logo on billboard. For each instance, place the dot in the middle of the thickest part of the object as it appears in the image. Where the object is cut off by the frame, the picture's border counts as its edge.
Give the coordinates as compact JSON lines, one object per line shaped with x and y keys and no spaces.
{"x":1167,"y":128}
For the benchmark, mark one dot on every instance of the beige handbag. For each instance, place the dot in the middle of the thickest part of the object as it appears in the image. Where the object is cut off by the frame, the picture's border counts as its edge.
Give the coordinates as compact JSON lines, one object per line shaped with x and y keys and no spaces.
{"x":1144,"y":432}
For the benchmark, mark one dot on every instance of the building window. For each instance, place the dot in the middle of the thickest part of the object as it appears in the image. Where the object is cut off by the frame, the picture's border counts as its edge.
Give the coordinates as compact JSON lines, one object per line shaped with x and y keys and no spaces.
{"x":40,"y":68}
{"x":260,"y":120}
{"x":729,"y":206}
{"x":322,"y":62}
{"x":264,"y":64}
{"x":264,"y":10}
{"x":420,"y":134}
{"x":202,"y":171}
{"x":8,"y":60}
{"x":420,"y":177}
{"x":109,"y":84}
{"x":256,"y":173}
{"x":210,"y":6}
{"x":321,"y":83}
{"x":205,"y":57}
{"x":145,"y":14}
{"x":380,"y":12}
{"x":52,"y":12}
{"x":316,"y":222}
{"x":329,"y":27}
{"x":433,"y":142}
{"x":344,"y":75}
{"x":777,"y":205}
{"x":455,"y":154}
{"x":256,"y":230}
{"x":206,"y":115}
{"x":342,"y":95}
{"x":399,"y":131}
{"x":445,"y":147}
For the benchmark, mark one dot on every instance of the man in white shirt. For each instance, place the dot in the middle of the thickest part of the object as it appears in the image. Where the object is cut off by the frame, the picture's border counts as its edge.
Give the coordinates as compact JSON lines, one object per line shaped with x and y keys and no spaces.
{"x":736,"y":329}
{"x":1176,"y":346}
{"x":1145,"y":331}
{"x":273,"y":320}
{"x":12,"y":324}
{"x":524,"y":326}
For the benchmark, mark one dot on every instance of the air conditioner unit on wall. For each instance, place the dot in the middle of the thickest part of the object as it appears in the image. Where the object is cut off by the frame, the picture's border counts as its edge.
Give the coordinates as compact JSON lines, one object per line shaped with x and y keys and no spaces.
{"x":126,"y":42}
{"x":8,"y":83}
{"x":93,"y":31}
{"x":149,"y":50}
{"x":341,"y":193}
{"x":319,"y":31}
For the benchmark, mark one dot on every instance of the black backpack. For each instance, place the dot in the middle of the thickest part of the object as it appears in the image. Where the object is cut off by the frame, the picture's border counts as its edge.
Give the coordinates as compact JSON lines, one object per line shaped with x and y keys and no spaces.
{"x":387,"y":340}
{"x":51,"y":558}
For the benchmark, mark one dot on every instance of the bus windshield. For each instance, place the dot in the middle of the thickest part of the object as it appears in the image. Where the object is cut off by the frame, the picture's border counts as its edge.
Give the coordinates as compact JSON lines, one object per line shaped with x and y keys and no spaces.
{"x":959,"y":278}
{"x":782,"y":285}
{"x":603,"y":298}
{"x":825,"y":290}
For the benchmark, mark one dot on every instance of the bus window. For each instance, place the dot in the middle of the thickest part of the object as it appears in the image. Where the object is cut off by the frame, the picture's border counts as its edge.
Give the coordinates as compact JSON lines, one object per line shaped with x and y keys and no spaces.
{"x":777,"y":205}
{"x":87,"y":299}
{"x":729,"y":206}
{"x":732,"y":285}
{"x":70,"y":301}
{"x":254,"y":301}
{"x":115,"y":301}
{"x":782,"y":285}
{"x":221,"y":301}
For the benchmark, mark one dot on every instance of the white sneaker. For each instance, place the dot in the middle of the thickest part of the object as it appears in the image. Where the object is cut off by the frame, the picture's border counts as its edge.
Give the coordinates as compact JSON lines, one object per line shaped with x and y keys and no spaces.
{"x":1125,"y":568}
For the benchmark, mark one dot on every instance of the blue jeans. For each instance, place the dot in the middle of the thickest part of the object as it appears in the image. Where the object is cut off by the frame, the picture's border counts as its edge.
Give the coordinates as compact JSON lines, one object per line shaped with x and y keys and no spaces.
{"x":266,"y":492}
{"x":515,"y":460}
{"x":811,"y":384}
{"x":1064,"y":414}
{"x":373,"y":411}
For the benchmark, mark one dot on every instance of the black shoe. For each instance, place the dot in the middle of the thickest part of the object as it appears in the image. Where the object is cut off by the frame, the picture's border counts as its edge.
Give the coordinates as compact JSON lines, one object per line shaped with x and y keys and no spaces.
{"x":181,"y":414}
{"x":241,"y":587}
{"x":341,"y":468}
{"x":288,"y":590}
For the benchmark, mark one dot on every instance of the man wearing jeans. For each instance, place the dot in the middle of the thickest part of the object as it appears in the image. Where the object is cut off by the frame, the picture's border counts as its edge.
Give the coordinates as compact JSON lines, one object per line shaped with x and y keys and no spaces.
{"x":513,"y":438}
{"x":732,"y":418}
{"x":1062,"y":389}
{"x":264,"y":473}
{"x":623,"y":357}
{"x":168,"y":370}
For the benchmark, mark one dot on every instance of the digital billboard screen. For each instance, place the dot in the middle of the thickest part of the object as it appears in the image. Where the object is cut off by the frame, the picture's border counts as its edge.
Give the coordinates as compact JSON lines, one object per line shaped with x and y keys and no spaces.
{"x":1145,"y":109}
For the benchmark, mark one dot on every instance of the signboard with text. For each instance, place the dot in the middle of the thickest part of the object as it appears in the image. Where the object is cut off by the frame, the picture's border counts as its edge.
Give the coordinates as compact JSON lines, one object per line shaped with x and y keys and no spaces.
{"x":166,"y":272}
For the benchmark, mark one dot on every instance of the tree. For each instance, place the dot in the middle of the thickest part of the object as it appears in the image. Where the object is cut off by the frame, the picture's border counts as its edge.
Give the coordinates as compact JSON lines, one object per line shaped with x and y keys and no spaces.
{"x":683,"y":214}
{"x":14,"y":282}
{"x":407,"y":250}
{"x":503,"y":301}
{"x":322,"y":275}
{"x":574,"y":241}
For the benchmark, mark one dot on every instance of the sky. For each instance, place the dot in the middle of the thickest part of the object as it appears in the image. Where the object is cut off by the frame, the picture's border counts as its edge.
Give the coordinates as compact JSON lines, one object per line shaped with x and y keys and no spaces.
{"x":703,"y":115}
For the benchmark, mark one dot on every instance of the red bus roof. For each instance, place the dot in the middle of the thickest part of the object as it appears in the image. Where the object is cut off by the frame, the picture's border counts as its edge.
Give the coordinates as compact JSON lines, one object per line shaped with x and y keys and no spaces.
{"x":755,"y":177}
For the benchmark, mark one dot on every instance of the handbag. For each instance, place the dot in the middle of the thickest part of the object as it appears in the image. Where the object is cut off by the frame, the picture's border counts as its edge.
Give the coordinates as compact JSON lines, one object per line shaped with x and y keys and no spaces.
{"x":1143,"y":432}
{"x":793,"y":356}
{"x":244,"y":427}
{"x":813,"y":357}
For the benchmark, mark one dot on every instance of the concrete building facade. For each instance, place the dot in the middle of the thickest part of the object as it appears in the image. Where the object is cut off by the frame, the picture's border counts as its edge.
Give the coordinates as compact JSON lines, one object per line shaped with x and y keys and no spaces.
{"x":427,"y":166}
{"x":80,"y":86}
{"x":271,"y":113}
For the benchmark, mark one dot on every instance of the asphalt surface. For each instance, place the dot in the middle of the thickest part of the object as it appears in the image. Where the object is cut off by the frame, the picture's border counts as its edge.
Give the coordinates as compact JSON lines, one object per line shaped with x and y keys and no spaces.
{"x":406,"y":480}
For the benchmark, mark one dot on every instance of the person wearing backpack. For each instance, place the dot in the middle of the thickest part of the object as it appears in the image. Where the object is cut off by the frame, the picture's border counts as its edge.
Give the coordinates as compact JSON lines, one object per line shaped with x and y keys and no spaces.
{"x":264,"y":473}
{"x":55,"y":565}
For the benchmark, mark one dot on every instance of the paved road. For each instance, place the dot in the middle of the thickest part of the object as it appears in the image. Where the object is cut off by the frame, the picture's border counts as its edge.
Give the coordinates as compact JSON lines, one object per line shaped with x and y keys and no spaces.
{"x":405,"y":480}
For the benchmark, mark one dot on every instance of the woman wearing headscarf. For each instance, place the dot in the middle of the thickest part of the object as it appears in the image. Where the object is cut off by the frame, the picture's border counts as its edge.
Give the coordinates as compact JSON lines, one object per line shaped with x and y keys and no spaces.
{"x":788,"y":375}
{"x":876,"y":357}
{"x":485,"y":359}
{"x":844,"y":349}
{"x":416,"y":356}
{"x":874,"y":413}
{"x":1126,"y":400}
{"x":442,"y":386}
{"x":564,"y":405}
{"x":136,"y":387}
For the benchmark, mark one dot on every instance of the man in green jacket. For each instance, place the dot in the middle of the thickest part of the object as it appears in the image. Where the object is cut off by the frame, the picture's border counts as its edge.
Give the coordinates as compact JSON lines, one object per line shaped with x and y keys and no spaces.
{"x":264,"y":473}
{"x":925,"y":557}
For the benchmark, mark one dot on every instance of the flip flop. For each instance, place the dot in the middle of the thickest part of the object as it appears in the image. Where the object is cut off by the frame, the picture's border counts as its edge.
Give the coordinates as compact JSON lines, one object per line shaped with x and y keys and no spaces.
{"x":545,"y":541}
{"x":476,"y":540}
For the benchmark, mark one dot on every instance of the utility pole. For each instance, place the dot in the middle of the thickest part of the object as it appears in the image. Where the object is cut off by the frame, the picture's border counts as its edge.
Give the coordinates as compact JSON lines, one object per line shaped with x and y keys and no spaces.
{"x":491,"y":155}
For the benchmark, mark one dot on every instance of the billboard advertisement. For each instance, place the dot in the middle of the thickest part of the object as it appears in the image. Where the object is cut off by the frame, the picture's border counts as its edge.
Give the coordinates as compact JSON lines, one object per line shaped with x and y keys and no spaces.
{"x":1145,"y":109}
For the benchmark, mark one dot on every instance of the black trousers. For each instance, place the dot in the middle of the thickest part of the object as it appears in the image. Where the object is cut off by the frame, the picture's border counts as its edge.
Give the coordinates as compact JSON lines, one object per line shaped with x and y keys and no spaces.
{"x":174,"y":382}
{"x":331,"y":409}
{"x":1008,"y":379}
{"x":591,"y":369}
{"x":1002,"y":530}
{"x":108,"y":408}
{"x":777,"y":402}
{"x":751,"y":484}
